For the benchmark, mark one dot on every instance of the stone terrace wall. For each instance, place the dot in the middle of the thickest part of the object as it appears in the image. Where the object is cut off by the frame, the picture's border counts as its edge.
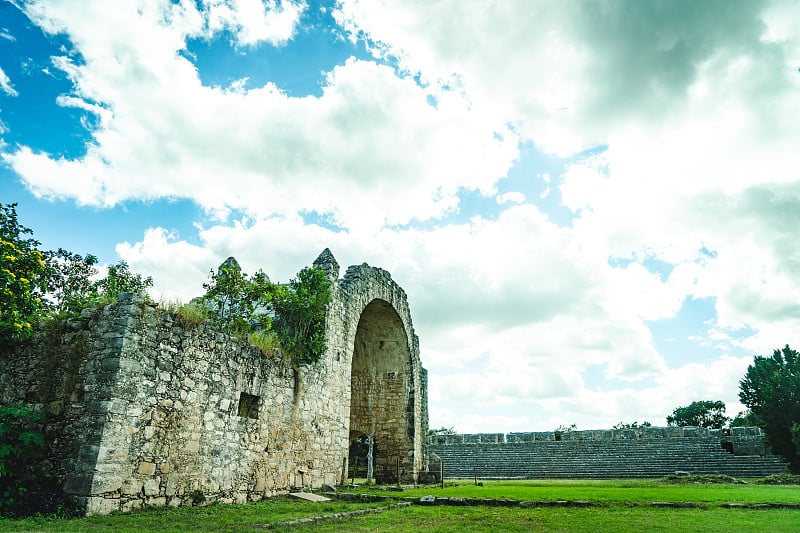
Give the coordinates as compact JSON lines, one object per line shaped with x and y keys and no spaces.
{"x":604,"y":454}
{"x":744,"y":440}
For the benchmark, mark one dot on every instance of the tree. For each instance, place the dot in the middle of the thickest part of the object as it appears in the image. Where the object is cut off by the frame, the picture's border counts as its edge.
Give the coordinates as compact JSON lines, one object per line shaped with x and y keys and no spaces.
{"x":300,"y":315}
{"x":36,"y":283}
{"x":24,"y":277}
{"x":72,"y":287}
{"x":771,"y":390}
{"x":240,"y":302}
{"x":744,"y":419}
{"x":706,"y":414}
{"x":121,"y":279}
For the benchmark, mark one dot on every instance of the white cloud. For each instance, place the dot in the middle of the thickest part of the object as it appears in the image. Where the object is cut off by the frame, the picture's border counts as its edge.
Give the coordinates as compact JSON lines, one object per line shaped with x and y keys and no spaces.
{"x":689,"y":111}
{"x":254,"y":21}
{"x":178,"y":268}
{"x":513,"y":197}
{"x":371,"y":150}
{"x":5,"y":84}
{"x":570,"y":73}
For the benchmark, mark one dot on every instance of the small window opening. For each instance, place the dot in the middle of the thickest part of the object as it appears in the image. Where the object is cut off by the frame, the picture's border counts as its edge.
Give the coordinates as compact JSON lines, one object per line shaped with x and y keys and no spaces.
{"x":248,"y":405}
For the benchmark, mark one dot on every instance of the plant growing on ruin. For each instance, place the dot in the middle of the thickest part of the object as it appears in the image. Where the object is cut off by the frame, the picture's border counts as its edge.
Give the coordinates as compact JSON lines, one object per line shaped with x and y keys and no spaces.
{"x":559,"y":432}
{"x":192,"y":314}
{"x":441,"y":431}
{"x":265,"y":340}
{"x":771,"y":390}
{"x":632,"y":425}
{"x":705,"y":414}
{"x":239,"y":302}
{"x":289,"y":317}
{"x":300,"y":315}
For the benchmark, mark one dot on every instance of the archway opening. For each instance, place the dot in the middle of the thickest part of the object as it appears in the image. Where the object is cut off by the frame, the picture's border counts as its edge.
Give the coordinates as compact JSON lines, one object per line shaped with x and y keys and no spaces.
{"x":382,"y":391}
{"x":361,"y":455}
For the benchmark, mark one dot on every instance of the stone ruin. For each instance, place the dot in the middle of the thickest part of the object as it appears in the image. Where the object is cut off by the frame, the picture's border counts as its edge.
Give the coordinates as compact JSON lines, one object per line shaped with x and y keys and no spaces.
{"x":643,"y":452}
{"x":144,"y":410}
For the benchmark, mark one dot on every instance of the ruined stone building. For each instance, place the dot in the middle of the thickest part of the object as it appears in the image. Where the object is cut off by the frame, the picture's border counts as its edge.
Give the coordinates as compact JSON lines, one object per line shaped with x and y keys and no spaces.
{"x":146,"y":410}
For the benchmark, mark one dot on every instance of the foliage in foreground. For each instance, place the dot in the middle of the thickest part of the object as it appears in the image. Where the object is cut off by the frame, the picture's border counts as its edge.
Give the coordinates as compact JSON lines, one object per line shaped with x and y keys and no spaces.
{"x":771,"y":390}
{"x":21,"y":445}
{"x":21,"y":442}
{"x":632,"y":425}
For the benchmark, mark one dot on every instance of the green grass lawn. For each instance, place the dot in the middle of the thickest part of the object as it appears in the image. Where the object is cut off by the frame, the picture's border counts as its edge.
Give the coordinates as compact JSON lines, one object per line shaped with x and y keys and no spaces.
{"x":616,"y":491}
{"x":616,"y":506}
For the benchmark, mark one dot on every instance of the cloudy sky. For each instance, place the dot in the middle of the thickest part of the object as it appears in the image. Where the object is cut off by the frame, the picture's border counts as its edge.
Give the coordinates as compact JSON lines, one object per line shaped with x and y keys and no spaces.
{"x":592,"y":205}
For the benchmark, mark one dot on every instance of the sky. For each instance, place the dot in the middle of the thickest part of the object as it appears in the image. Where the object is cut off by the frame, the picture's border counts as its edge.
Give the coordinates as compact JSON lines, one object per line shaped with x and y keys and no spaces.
{"x":592,"y":205}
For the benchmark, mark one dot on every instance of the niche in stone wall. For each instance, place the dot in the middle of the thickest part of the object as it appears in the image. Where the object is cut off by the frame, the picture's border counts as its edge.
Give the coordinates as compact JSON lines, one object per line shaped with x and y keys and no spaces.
{"x":248,"y":405}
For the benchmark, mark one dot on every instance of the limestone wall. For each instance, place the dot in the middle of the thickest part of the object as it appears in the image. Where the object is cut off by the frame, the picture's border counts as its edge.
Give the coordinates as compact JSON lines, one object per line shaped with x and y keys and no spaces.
{"x":370,"y":327}
{"x":159,"y":410}
{"x":144,"y":410}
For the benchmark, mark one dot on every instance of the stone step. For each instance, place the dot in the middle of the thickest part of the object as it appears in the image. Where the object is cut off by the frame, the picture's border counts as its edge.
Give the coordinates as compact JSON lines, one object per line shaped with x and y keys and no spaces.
{"x":600,"y":459}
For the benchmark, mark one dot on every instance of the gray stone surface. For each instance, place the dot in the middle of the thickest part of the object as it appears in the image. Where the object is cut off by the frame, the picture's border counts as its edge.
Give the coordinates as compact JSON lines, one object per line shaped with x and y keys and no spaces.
{"x":145,"y":411}
{"x":618,"y":453}
{"x":309,"y":497}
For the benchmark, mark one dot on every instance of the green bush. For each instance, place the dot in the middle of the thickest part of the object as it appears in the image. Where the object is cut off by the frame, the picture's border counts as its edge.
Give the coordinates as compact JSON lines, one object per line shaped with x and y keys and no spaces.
{"x":21,"y":445}
{"x":243,"y":306}
{"x":265,"y":340}
{"x":192,"y":314}
{"x":300,"y":315}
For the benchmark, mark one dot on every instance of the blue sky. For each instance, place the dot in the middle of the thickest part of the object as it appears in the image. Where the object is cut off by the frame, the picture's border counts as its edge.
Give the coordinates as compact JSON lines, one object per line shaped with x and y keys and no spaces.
{"x":591,"y":205}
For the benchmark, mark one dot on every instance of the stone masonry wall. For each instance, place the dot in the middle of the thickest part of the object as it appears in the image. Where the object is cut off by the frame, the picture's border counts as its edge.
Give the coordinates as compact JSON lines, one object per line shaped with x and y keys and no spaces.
{"x":370,"y":328}
{"x":743,"y":441}
{"x":146,"y":411}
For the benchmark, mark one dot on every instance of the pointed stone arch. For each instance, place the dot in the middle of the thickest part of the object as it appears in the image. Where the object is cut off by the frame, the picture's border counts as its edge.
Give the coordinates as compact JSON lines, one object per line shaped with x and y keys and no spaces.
{"x":371,"y":331}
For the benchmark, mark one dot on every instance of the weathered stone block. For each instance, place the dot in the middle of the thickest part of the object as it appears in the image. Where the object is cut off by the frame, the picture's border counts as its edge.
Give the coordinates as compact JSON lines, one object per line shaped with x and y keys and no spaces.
{"x":100,"y":505}
{"x":151,"y":487}
{"x":131,"y":486}
{"x":147,"y":468}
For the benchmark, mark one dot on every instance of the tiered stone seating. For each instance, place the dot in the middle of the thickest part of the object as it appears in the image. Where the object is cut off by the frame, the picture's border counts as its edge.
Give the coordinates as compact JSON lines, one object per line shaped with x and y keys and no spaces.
{"x":600,"y":459}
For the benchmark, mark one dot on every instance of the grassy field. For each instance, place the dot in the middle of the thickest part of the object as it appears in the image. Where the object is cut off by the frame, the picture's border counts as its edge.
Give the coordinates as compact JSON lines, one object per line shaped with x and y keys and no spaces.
{"x":613,"y":506}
